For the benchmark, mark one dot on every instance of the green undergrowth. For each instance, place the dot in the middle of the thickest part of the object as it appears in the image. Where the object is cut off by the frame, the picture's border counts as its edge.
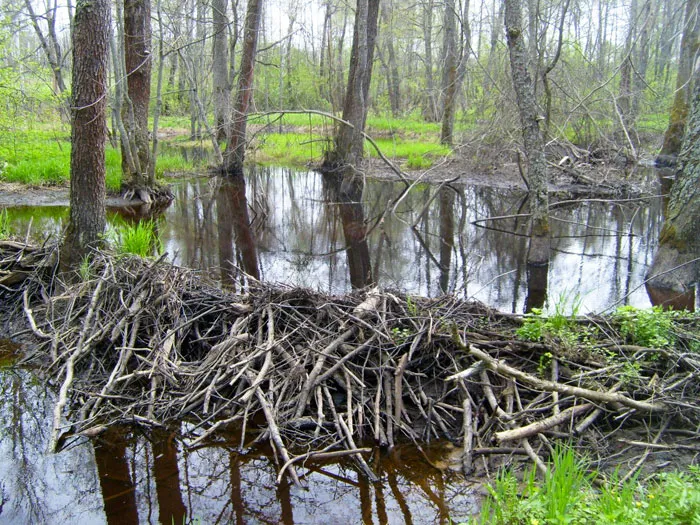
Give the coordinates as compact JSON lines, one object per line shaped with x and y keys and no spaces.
{"x":42,"y":158}
{"x":299,"y":149}
{"x":571,"y":494}
{"x":141,"y":239}
{"x":4,"y":224}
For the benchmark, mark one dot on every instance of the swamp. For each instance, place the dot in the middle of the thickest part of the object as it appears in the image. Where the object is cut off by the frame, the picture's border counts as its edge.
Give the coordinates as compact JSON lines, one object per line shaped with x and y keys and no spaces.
{"x":369,"y":262}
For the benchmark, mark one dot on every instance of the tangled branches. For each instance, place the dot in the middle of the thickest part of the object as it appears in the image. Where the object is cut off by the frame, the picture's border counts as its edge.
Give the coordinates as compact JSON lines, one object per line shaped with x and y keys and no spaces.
{"x":145,"y":342}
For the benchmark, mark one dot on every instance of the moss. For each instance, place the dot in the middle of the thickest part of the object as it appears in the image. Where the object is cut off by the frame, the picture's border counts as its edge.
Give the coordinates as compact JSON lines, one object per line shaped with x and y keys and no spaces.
{"x":669,"y":237}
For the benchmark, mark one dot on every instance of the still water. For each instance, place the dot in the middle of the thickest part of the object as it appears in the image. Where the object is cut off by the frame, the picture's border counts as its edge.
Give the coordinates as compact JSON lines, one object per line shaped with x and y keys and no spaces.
{"x":303,"y":229}
{"x":129,"y":478}
{"x":290,"y":226}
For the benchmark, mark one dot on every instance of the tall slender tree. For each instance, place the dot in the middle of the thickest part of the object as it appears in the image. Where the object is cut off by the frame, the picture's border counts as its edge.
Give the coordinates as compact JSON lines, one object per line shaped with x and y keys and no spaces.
{"x":532,"y":135}
{"x":88,"y":129}
{"x":138,"y":65}
{"x":235,"y":150}
{"x":690,"y":44}
{"x":220,"y":68}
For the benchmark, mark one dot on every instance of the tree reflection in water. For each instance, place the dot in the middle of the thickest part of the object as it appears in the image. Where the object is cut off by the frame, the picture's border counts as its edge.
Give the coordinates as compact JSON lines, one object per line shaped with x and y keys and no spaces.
{"x":233,"y":227}
{"x":292,"y":227}
{"x":127,"y":477}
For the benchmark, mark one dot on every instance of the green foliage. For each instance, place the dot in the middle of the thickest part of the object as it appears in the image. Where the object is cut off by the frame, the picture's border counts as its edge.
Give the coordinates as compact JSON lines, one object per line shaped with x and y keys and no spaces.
{"x":536,"y":326}
{"x":418,"y":162}
{"x":85,"y":269}
{"x":4,"y":224}
{"x":652,"y":327}
{"x":141,"y":239}
{"x":566,"y":496}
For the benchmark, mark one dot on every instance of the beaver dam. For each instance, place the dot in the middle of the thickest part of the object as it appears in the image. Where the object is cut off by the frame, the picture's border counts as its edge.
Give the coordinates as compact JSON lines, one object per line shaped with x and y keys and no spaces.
{"x":319,"y":376}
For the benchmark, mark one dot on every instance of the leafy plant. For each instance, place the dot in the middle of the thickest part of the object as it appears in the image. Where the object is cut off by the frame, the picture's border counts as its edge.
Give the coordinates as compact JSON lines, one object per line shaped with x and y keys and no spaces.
{"x":651,"y":327}
{"x":418,"y":162}
{"x":560,"y":324}
{"x":139,"y":239}
{"x":566,"y":495}
{"x":4,"y":224}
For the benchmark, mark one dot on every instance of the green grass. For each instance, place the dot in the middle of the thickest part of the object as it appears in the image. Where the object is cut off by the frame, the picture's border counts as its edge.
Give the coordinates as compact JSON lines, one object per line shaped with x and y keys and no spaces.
{"x":42,"y":158}
{"x":289,"y":148}
{"x":141,"y":239}
{"x":171,"y":162}
{"x":297,"y":149}
{"x":113,"y":173}
{"x":4,"y":225}
{"x":567,"y":495}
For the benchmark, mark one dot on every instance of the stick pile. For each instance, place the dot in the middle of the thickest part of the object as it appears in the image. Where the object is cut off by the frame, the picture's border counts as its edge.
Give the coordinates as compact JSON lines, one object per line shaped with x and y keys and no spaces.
{"x":145,"y":342}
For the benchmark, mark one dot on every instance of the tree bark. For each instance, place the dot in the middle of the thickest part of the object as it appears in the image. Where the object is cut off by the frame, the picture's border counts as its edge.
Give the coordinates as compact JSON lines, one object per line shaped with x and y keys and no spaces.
{"x":88,"y":130}
{"x":138,"y":65}
{"x":235,"y":151}
{"x":349,"y":140}
{"x":690,"y":43}
{"x":677,"y":262}
{"x":220,"y":67}
{"x":532,"y":135}
{"x":393,"y":83}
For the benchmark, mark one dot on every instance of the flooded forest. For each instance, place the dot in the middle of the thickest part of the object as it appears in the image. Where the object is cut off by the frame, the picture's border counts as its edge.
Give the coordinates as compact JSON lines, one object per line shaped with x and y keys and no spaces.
{"x":270,"y":261}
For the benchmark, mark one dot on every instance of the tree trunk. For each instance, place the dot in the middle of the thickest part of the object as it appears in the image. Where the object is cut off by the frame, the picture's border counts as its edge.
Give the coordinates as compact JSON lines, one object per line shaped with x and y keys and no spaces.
{"x":393,"y":82}
{"x":532,"y":136}
{"x":677,"y":262}
{"x":349,"y":140}
{"x":138,"y":63}
{"x":430,"y":105}
{"x":220,"y":66}
{"x":690,"y":43}
{"x":455,"y":67}
{"x":235,"y":151}
{"x":624,"y":100}
{"x":88,"y":130}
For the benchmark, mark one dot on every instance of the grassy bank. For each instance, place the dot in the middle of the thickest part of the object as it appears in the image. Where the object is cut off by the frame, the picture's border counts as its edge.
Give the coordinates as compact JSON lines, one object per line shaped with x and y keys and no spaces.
{"x":41,"y":157}
{"x":570,"y":494}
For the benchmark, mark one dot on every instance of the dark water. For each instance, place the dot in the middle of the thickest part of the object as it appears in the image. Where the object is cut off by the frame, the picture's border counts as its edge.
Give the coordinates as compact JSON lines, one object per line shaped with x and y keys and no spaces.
{"x":299,"y":228}
{"x":126,"y":478}
{"x":290,"y":226}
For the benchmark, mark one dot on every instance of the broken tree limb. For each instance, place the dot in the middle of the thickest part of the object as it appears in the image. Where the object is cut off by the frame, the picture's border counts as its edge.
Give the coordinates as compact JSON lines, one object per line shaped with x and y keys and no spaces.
{"x":542,"y":425}
{"x":542,"y":384}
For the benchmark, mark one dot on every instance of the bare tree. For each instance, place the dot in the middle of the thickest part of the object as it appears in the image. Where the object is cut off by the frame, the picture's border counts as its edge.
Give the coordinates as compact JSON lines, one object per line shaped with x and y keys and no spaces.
{"x":456,"y":54}
{"x":690,"y":44}
{"x":235,"y":150}
{"x":220,"y":68}
{"x":88,"y":129}
{"x":349,"y":141}
{"x":138,"y":65}
{"x":532,"y":135}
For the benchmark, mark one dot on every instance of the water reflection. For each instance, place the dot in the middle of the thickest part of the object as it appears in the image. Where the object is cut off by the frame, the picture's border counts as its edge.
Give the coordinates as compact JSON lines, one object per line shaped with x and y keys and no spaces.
{"x":233,"y":228}
{"x":127,"y":477}
{"x":299,"y":228}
